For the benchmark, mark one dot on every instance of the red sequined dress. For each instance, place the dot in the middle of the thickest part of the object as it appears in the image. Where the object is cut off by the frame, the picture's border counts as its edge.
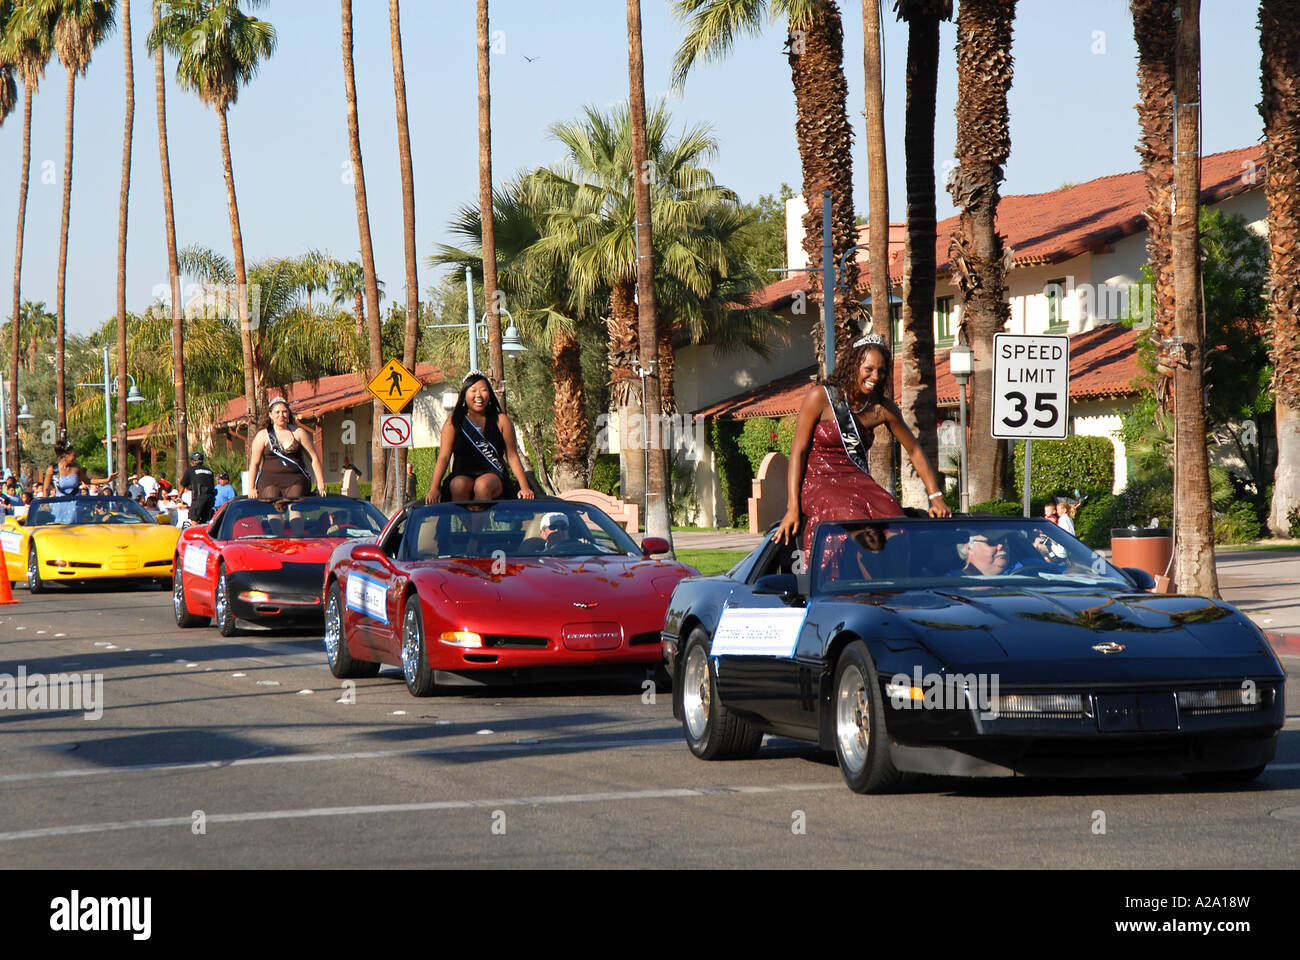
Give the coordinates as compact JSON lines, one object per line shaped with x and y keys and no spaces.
{"x":835,"y":488}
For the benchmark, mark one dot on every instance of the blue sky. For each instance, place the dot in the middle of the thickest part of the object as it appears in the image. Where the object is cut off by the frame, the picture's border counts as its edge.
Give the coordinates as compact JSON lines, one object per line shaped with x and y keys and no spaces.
{"x":1071,"y":108}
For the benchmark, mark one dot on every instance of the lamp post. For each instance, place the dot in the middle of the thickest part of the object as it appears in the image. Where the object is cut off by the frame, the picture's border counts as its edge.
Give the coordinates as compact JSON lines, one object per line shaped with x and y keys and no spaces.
{"x":24,"y":413}
{"x":109,"y":387}
{"x":511,"y":342}
{"x":961,"y":364}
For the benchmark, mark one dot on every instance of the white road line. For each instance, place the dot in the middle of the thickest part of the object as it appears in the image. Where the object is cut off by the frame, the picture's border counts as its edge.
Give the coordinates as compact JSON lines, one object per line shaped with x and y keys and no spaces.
{"x":672,"y":793}
{"x":326,"y":757}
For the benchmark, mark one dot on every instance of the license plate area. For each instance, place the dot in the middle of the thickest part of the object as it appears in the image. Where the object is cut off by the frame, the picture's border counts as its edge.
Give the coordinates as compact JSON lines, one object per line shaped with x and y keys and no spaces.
{"x":1136,"y":712}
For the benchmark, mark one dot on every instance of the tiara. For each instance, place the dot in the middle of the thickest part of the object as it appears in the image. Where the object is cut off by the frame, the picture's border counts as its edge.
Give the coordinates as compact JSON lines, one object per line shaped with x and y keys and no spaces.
{"x":471,"y":375}
{"x":870,"y":340}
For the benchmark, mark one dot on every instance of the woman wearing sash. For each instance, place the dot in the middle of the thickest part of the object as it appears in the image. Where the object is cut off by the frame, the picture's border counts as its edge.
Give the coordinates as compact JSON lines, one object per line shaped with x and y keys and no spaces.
{"x":281,"y":451}
{"x":828,"y":475}
{"x":478,"y":440}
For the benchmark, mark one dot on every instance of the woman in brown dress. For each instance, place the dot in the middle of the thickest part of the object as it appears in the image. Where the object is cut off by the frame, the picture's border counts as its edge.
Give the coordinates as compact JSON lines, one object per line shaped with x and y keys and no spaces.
{"x":281,"y":452}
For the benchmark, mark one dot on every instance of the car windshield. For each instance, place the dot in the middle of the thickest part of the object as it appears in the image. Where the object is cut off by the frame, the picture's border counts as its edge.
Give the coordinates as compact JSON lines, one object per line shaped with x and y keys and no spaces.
{"x":517,"y":528}
{"x":59,"y":512}
{"x":314,"y":517}
{"x":963,"y":552}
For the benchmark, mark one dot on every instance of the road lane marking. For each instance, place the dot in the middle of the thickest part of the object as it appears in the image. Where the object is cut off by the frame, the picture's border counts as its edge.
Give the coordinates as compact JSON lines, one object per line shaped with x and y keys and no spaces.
{"x":671,"y":793}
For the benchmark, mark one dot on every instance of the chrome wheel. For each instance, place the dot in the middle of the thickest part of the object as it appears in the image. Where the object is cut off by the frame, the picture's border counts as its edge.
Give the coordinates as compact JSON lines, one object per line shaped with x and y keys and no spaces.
{"x":333,"y":628}
{"x":178,"y":596}
{"x":33,"y":570}
{"x":410,"y":645}
{"x":853,"y":719}
{"x":696,"y":692}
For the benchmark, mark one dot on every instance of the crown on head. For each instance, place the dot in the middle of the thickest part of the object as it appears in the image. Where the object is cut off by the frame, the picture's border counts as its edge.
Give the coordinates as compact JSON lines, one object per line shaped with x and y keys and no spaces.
{"x":471,"y":375}
{"x":871,"y":340}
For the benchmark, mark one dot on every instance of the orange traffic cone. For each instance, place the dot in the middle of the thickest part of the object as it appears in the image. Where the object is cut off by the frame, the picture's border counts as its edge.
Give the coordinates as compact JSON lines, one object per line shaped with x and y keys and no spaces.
{"x":6,"y":591}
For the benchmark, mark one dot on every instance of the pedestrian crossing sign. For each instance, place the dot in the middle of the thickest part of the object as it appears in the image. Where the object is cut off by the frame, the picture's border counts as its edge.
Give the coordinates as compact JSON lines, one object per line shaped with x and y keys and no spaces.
{"x":394,"y":386}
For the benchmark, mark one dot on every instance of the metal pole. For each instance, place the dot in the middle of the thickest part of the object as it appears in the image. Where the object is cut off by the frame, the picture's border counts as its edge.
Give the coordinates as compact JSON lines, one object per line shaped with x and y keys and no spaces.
{"x":473,"y":322}
{"x":1029,"y":446}
{"x":965,"y":489}
{"x":4,"y":430}
{"x":108,"y":421}
{"x":828,"y":283}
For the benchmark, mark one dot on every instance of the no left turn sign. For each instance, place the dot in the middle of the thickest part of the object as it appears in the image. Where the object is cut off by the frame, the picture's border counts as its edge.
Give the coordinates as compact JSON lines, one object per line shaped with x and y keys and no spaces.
{"x":395,"y":430}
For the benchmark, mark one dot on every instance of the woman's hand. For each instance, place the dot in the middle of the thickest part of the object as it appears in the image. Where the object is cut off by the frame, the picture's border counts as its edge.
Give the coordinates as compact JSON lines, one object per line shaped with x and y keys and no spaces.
{"x":434,"y":495}
{"x":789,"y":527}
{"x":526,"y":493}
{"x":938,"y":508}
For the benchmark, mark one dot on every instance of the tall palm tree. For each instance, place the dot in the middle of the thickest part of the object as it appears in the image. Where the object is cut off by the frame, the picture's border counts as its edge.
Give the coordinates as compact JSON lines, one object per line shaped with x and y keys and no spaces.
{"x":492,"y":304}
{"x":173,"y":265}
{"x":123,"y":207}
{"x":378,"y":455}
{"x":1154,"y":30}
{"x":984,"y":70}
{"x":348,"y":286}
{"x":412,"y":333}
{"x":815,"y":49}
{"x":1280,"y":107}
{"x":1193,"y":515}
{"x":919,"y":388}
{"x":8,"y":86}
{"x":219,"y":48}
{"x":27,"y":43}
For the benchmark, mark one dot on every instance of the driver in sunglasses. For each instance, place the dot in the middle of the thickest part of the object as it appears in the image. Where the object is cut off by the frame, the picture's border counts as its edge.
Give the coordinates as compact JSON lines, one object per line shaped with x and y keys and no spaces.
{"x":986,"y":555}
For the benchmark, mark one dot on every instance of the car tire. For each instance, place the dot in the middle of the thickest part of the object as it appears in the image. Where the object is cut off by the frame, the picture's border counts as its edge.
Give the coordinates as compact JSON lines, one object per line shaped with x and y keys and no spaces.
{"x":225,"y":616}
{"x":415,"y":657}
{"x":861,"y":736}
{"x":711,"y":730}
{"x":34,"y":582}
{"x":181,"y":607}
{"x":342,"y":664}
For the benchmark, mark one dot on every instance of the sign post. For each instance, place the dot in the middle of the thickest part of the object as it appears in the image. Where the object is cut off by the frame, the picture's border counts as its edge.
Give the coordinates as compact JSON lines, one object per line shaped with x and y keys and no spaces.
{"x":1031,"y":391}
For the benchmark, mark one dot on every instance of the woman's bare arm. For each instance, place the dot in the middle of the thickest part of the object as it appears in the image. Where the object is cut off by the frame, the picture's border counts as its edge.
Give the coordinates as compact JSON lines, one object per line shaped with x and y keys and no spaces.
{"x":512,"y":455}
{"x":814,"y":405}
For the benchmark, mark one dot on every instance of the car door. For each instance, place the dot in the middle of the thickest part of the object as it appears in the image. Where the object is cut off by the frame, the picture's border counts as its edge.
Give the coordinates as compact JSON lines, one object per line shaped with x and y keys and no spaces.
{"x":198,"y":555}
{"x":370,"y":607}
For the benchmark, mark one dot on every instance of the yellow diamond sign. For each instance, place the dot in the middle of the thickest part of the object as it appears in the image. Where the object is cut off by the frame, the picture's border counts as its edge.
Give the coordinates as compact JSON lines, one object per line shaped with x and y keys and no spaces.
{"x":394,"y":386}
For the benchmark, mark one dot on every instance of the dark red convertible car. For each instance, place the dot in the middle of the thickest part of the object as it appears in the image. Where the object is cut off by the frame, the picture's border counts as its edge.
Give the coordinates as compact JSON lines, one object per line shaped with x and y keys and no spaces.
{"x":489,"y":590}
{"x":263,"y":561}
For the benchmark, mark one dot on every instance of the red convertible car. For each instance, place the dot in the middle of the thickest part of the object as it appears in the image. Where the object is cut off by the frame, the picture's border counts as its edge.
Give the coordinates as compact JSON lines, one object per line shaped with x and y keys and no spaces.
{"x":263,"y":561}
{"x":489,"y":590}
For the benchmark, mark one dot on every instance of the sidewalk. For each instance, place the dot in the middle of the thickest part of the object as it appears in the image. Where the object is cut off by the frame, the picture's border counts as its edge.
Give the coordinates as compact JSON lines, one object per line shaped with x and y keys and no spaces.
{"x":1265,"y":585}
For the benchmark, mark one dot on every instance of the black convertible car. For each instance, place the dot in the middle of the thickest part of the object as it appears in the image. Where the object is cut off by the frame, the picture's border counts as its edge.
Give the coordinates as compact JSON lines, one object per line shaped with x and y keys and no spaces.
{"x":976,"y":646}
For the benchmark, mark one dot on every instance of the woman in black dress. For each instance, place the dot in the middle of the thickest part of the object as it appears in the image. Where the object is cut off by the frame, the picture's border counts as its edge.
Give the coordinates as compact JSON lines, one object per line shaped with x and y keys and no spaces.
{"x":478,"y":440}
{"x":281,"y":453}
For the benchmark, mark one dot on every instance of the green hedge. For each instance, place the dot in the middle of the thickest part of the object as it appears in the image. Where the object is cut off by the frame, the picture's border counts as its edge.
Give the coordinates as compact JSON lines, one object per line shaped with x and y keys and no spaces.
{"x":605,"y":476}
{"x":424,"y":460}
{"x":1003,"y":508}
{"x":734,"y":472}
{"x":1060,"y":466}
{"x":762,"y":435}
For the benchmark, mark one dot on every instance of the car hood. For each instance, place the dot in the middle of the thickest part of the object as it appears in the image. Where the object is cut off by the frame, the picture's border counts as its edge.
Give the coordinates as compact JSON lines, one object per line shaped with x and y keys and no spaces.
{"x":270,"y":554}
{"x":89,"y":537}
{"x":542,"y":580}
{"x":1026,"y":625}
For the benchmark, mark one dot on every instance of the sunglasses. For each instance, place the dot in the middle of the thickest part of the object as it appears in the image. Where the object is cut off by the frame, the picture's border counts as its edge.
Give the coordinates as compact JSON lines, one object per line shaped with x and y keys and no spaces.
{"x":999,"y":542}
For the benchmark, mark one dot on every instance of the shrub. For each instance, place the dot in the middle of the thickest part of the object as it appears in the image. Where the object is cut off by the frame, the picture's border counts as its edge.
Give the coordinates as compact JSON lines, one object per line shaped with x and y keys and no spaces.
{"x":1091,"y":520}
{"x":1002,"y":508}
{"x":1075,"y":463}
{"x":424,"y":460}
{"x":760,"y":436}
{"x":734,"y":472}
{"x":604,"y":474}
{"x":740,"y":521}
{"x":1238,"y":525}
{"x":685,"y":497}
{"x":1293,"y":522}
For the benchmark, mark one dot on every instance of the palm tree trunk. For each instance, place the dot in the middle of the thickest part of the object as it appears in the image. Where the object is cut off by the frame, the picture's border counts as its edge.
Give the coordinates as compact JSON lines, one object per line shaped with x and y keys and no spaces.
{"x":919,"y":390}
{"x":571,"y":441}
{"x":378,"y":455}
{"x":1280,"y":108}
{"x":658,"y":515}
{"x":252,"y":392}
{"x":1193,"y":514}
{"x":123,"y":207}
{"x":881,"y":456}
{"x":825,"y":140}
{"x":173,"y":263}
{"x":60,"y":395}
{"x":486,"y":211}
{"x":11,"y":423}
{"x":625,"y":390}
{"x":408,"y":216}
{"x":984,"y":71}
{"x":667,"y":367}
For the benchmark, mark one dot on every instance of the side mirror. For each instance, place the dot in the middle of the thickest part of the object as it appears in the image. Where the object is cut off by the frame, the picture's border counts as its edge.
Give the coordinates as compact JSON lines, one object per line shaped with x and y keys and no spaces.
{"x":369,"y":553}
{"x":652,"y":545}
{"x":783,"y":585}
{"x":1139,"y":576}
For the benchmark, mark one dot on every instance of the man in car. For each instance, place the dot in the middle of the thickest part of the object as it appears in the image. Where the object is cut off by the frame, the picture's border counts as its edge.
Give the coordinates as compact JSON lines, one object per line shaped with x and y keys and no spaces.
{"x":200,"y":482}
{"x":555,"y":531}
{"x":986,"y":554}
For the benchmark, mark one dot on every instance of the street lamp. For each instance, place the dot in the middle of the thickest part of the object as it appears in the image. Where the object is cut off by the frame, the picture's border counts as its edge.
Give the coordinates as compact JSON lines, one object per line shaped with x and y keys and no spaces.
{"x":961,"y":364}
{"x":133,"y":395}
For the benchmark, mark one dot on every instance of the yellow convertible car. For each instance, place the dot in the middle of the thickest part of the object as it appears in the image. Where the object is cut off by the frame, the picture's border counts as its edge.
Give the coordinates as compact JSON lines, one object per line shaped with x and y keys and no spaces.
{"x":80,"y":539}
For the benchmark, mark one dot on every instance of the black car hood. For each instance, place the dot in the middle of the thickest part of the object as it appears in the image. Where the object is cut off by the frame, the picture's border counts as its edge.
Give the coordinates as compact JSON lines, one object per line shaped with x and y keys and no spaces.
{"x":985,"y":625}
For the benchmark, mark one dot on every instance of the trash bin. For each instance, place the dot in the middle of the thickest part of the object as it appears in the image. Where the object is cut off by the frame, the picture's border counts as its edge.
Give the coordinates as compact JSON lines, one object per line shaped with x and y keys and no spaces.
{"x":1147,"y":548}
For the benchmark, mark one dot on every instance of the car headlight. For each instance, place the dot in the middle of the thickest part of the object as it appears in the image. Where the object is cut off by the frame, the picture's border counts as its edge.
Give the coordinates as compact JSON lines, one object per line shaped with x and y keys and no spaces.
{"x":461,"y":638}
{"x":1044,"y":705}
{"x":1245,"y":697}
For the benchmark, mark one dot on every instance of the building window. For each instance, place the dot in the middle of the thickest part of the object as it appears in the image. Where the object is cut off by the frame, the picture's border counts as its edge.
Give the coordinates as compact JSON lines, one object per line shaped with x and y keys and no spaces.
{"x":896,"y":320}
{"x":1054,"y":290}
{"x":943,"y":322}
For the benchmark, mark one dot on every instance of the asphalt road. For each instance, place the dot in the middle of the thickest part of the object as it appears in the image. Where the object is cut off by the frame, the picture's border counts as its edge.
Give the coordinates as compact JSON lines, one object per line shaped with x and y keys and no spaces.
{"x":239,"y":753}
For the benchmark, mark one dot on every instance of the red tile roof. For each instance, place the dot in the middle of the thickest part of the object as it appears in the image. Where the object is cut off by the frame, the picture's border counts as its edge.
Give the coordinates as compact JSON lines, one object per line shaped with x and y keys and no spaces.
{"x":1061,"y":224}
{"x":313,"y":399}
{"x":1103,"y":363}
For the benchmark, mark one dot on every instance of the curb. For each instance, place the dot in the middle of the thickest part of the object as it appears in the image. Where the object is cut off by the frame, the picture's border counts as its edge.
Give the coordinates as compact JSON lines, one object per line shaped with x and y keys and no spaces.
{"x":1284,"y":645}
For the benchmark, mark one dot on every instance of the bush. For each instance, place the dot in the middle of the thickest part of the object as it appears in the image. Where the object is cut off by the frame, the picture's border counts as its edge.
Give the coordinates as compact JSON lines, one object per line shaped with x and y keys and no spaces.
{"x":1091,"y":520}
{"x":1002,"y":508}
{"x":1075,"y":463}
{"x":685,"y":498}
{"x":740,"y":521}
{"x":1293,"y":522}
{"x":734,"y":473}
{"x":604,"y":474}
{"x":1238,"y":525}
{"x":762,"y":435}
{"x":1141,"y":501}
{"x":423,"y":460}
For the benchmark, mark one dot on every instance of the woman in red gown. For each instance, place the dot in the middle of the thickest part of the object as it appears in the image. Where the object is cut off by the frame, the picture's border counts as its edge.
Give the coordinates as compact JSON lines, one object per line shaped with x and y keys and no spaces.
{"x":828,"y":476}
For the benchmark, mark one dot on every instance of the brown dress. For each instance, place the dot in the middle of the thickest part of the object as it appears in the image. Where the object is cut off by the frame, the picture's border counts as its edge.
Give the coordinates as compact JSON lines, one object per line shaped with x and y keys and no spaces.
{"x":283,"y":474}
{"x":835,"y":488}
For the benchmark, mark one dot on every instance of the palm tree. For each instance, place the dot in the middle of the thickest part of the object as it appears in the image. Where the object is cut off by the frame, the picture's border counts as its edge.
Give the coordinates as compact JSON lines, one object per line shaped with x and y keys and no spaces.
{"x":219,"y":49}
{"x":1193,"y":515}
{"x":173,"y":265}
{"x":37,"y":328}
{"x":1280,"y":107}
{"x":495,"y":359}
{"x":27,"y":44}
{"x":412,"y":334}
{"x":918,"y":382}
{"x":348,"y":286}
{"x":984,"y":69}
{"x":378,"y":455}
{"x":122,"y":209}
{"x":8,"y":86}
{"x":815,"y":49}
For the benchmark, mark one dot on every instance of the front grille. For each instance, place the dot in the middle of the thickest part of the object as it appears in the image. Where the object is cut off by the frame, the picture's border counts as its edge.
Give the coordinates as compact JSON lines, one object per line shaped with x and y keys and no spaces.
{"x":508,"y":642}
{"x":74,"y":563}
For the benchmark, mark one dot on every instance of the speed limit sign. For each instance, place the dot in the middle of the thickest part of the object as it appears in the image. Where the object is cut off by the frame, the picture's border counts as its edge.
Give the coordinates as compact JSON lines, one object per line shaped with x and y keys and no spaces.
{"x":1031,"y":387}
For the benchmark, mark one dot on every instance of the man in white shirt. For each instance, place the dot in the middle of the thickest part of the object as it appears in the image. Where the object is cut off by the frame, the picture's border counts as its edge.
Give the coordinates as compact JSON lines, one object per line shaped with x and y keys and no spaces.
{"x":150,"y":486}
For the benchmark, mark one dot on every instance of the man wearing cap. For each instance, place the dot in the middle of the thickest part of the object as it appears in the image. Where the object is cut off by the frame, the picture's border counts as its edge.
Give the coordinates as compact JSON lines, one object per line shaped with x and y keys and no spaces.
{"x":200,"y":481}
{"x":224,"y":491}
